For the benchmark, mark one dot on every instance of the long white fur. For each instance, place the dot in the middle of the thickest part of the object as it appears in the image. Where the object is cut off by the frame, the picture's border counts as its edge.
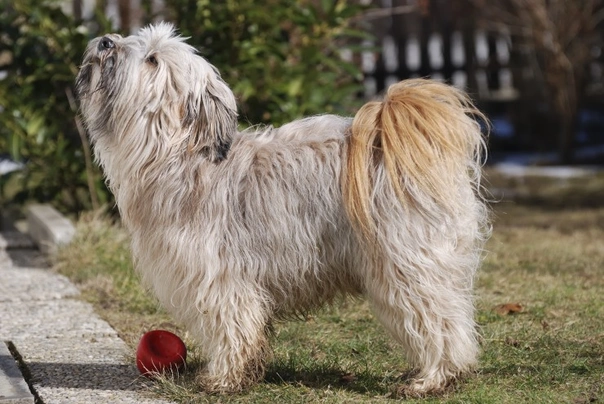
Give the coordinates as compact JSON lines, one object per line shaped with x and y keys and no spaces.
{"x":230,"y":242}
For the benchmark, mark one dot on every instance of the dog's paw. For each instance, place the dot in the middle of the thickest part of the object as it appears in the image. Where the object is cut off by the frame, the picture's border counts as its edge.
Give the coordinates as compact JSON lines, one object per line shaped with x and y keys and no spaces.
{"x":418,"y":387}
{"x":213,"y":385}
{"x":226,"y":384}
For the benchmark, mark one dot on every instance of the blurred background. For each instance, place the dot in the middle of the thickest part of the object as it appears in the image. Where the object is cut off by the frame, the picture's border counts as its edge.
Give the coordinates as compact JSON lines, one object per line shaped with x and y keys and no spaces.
{"x":534,"y":66}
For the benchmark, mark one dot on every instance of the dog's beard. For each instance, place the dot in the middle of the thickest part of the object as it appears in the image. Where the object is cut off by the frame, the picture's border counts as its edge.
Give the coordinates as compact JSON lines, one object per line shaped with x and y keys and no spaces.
{"x":107,"y":65}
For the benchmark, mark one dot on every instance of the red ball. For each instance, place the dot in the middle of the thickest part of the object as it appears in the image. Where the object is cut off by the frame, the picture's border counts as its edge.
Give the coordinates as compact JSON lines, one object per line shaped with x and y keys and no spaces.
{"x":159,"y":351}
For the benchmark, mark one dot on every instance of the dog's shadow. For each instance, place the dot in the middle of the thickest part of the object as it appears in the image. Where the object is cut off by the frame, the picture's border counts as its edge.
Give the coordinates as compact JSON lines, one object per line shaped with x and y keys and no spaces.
{"x":332,"y":377}
{"x":283,"y":373}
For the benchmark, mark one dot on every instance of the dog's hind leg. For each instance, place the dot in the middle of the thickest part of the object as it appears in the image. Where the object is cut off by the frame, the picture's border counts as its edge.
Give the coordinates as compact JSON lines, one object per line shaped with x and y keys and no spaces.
{"x":234,"y":340}
{"x":431,"y":318}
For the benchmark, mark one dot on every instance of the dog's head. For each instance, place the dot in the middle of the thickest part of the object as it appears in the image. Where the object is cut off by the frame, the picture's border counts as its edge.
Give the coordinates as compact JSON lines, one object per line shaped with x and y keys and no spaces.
{"x":154,"y":85}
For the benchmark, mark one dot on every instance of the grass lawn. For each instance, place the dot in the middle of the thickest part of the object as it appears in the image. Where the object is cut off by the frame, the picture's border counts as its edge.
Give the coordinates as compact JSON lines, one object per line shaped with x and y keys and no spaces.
{"x":545,"y":259}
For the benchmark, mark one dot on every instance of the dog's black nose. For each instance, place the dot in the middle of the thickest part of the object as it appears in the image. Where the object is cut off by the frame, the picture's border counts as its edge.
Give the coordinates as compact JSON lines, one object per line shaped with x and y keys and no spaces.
{"x":106,"y":43}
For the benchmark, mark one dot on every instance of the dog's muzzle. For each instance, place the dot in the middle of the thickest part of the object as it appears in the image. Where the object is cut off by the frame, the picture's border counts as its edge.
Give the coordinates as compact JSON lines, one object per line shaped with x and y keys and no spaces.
{"x":102,"y":54}
{"x":105,"y":51}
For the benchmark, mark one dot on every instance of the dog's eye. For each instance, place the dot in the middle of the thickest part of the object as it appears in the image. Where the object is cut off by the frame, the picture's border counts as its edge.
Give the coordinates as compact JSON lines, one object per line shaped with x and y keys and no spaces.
{"x":152,"y":60}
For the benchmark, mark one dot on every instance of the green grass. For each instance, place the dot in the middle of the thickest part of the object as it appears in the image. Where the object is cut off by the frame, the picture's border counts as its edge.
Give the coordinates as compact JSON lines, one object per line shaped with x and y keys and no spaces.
{"x":549,"y":259}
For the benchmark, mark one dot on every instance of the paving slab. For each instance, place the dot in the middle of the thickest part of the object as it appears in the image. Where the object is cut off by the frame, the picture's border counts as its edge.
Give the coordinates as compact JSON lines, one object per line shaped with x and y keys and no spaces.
{"x":65,"y":319}
{"x":91,"y":350}
{"x":63,"y":395}
{"x":70,"y":355}
{"x":22,"y":284}
{"x":93,"y":369}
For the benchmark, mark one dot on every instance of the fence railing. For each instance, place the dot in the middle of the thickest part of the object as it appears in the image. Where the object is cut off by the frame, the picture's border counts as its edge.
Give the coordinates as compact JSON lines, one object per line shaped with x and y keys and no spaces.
{"x":441,"y":45}
{"x":502,"y":72}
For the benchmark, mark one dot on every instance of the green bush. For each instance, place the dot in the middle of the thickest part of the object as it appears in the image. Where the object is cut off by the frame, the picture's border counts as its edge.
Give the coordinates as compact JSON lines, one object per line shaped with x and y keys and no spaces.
{"x":40,"y":51}
{"x":282,"y":59}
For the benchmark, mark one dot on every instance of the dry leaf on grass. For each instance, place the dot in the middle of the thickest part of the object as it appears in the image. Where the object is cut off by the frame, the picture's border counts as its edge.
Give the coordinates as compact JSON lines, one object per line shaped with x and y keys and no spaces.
{"x":348,"y":378}
{"x":508,"y":308}
{"x":512,"y":341}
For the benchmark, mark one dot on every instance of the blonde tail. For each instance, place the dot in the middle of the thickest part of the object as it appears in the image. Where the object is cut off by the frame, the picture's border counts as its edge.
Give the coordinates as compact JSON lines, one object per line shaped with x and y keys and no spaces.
{"x":425,"y":136}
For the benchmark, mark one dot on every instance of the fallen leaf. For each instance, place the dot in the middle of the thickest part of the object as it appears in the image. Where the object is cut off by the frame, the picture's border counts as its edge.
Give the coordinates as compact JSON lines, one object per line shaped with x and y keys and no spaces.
{"x":508,"y":308}
{"x":348,"y":378}
{"x":512,"y":341}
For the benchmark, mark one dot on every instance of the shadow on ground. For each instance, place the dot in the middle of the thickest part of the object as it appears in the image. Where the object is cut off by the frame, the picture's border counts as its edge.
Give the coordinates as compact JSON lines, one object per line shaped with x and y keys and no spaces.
{"x":85,"y":376}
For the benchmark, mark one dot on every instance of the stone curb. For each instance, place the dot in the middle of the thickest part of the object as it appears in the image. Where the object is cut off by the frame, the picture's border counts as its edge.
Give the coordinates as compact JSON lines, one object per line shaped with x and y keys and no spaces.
{"x":13,"y":389}
{"x":14,"y":240}
{"x":48,"y":228}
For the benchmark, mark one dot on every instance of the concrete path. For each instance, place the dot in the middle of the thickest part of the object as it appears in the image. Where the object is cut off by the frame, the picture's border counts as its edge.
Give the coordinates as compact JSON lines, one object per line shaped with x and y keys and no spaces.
{"x":53,"y":347}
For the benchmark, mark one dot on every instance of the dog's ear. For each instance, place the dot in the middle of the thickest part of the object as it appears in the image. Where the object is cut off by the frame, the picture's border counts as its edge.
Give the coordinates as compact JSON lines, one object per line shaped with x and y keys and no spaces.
{"x":211,"y":114}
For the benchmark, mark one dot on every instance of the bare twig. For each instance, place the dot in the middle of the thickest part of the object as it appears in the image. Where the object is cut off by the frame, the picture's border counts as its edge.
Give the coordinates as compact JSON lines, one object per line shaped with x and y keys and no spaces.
{"x":374,"y":14}
{"x":86,"y":149}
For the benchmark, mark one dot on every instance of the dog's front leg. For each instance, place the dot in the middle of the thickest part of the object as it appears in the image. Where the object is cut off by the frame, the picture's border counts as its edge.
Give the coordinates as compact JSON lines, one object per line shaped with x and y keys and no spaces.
{"x":234,"y":338}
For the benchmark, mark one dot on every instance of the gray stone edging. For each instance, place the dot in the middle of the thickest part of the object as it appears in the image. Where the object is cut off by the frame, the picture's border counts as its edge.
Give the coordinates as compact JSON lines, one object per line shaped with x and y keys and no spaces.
{"x":13,"y":388}
{"x":48,"y":228}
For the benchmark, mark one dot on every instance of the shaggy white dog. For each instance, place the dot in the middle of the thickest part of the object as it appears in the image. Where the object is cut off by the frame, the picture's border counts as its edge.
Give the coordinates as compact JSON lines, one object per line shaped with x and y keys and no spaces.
{"x":233,"y":229}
